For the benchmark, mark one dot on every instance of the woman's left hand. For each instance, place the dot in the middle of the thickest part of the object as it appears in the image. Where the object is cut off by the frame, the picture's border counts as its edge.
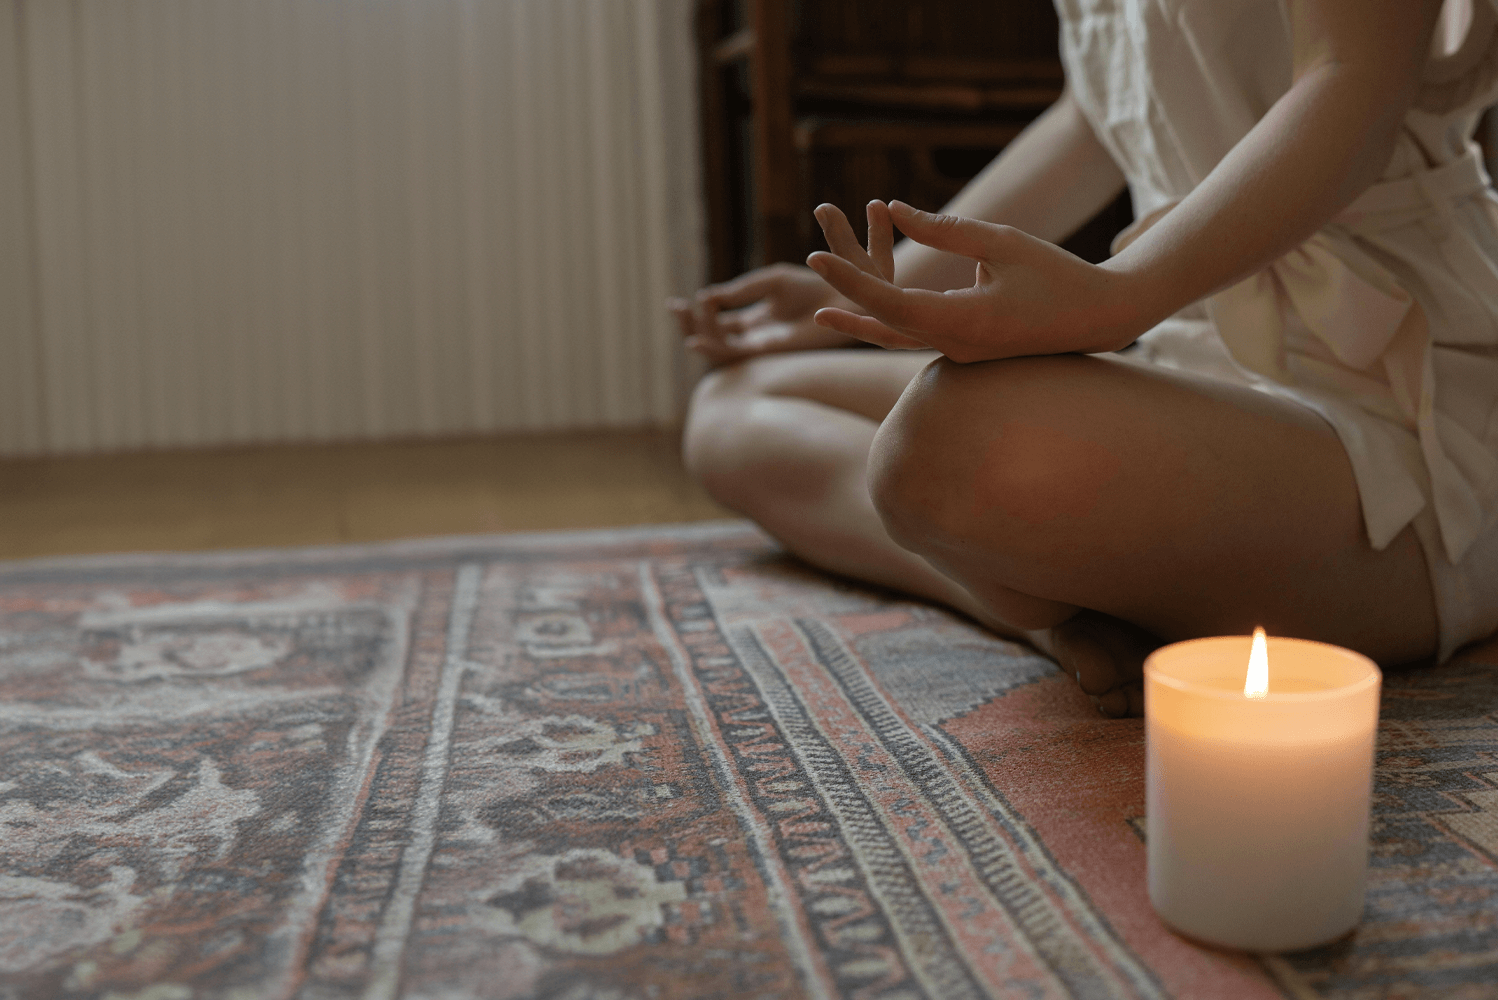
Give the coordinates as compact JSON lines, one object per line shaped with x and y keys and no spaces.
{"x":1030,"y":296}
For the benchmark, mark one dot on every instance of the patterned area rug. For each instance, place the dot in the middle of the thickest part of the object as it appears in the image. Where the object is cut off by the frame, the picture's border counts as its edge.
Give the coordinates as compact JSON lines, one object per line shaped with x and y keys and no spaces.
{"x":665,"y":763}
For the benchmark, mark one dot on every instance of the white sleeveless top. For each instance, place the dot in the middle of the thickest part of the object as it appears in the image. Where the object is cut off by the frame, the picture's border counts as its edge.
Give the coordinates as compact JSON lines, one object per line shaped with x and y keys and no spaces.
{"x":1385,"y":322}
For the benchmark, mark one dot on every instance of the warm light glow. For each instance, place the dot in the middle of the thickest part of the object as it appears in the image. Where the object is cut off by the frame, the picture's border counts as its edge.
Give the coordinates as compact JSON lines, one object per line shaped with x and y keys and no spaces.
{"x":1257,"y":684}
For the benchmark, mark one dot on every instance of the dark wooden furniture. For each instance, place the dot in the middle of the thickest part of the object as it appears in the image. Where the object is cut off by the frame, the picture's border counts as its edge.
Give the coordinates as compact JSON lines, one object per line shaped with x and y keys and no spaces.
{"x":805,"y":101}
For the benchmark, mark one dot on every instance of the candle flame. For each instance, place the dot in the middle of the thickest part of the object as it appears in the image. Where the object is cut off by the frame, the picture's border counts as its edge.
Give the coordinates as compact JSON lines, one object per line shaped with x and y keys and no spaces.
{"x":1257,"y":683}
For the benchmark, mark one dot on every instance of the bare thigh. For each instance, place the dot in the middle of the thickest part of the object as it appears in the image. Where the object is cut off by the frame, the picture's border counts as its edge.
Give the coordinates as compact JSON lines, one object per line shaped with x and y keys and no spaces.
{"x":865,"y":383}
{"x":1182,"y":504}
{"x":785,"y":439}
{"x":784,"y":425}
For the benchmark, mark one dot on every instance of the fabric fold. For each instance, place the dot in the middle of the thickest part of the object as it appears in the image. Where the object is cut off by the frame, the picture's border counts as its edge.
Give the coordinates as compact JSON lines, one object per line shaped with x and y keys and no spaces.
{"x":1352,"y":305}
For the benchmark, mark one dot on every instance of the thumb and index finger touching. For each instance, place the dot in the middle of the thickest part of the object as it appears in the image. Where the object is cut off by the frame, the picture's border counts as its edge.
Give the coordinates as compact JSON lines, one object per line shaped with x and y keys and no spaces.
{"x":703,"y":315}
{"x":951,"y":233}
{"x":954,"y":234}
{"x":942,"y":232}
{"x":746,"y":289}
{"x":866,"y":277}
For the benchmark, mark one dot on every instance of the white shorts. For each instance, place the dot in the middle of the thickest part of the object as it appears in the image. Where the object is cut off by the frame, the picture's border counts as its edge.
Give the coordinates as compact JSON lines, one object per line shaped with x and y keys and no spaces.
{"x":1466,"y":593}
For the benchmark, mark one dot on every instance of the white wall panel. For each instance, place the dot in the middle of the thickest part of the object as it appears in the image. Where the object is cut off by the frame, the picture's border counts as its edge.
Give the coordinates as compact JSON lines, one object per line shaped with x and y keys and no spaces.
{"x":22,"y":405}
{"x":255,"y":220}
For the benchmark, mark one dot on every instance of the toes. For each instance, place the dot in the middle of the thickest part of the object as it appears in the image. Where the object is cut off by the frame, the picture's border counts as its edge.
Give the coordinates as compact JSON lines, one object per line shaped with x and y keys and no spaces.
{"x":1114,"y":704}
{"x":1106,"y":655}
{"x":1131,"y":646}
{"x":1084,"y":657}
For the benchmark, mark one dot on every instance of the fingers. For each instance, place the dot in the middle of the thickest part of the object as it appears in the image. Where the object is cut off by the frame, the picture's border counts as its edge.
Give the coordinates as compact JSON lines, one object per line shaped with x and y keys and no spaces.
{"x":681,"y":311}
{"x":912,"y":310}
{"x":842,"y":240}
{"x":952,"y":233}
{"x":722,"y":347}
{"x":741,"y":291}
{"x":695,"y":318}
{"x":1086,"y":656}
{"x":881,"y":239}
{"x":868,"y":329}
{"x":766,"y":338}
{"x":740,"y":320}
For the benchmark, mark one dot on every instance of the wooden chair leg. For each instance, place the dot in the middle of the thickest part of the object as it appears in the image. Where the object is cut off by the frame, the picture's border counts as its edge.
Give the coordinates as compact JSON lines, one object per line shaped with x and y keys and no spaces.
{"x":774,"y":150}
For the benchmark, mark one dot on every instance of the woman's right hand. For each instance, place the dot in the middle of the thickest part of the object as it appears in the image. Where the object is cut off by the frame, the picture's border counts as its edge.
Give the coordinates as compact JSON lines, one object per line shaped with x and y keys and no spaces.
{"x":765,"y":311}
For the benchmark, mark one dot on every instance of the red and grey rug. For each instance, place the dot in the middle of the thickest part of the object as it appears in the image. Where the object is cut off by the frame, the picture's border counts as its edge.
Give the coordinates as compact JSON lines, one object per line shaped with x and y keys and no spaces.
{"x":666,"y":763}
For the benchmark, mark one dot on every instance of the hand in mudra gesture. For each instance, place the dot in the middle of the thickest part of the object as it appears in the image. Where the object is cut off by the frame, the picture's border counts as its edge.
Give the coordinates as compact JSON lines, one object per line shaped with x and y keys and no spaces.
{"x":1030,"y":296}
{"x":765,"y":311}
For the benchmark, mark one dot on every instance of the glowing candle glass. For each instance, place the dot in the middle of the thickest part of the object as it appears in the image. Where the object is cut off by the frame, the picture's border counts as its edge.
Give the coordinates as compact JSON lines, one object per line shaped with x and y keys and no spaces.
{"x":1257,"y":793}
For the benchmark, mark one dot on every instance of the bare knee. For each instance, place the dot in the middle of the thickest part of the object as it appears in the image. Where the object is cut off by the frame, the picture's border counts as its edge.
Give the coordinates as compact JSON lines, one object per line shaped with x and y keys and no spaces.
{"x":982,"y":456}
{"x":746,"y":445}
{"x":920,"y":466}
{"x":908,"y":457}
{"x":707,"y":416}
{"x":718,"y":435}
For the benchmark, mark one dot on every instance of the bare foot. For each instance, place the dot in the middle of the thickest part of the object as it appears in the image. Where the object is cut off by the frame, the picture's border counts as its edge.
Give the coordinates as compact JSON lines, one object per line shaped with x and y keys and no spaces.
{"x":1106,"y":656}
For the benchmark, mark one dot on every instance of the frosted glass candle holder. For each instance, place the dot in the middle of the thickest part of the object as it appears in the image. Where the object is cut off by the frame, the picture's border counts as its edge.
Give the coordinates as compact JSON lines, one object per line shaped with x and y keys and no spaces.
{"x":1257,"y":809}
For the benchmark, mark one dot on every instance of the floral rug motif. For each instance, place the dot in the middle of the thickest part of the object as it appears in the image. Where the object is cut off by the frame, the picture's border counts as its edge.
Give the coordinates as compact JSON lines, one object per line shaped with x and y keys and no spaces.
{"x":656,"y":764}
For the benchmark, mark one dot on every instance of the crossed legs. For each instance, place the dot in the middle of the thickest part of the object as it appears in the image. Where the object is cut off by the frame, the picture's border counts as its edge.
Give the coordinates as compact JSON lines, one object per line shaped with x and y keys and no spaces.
{"x":785,"y":438}
{"x":1159,"y":503}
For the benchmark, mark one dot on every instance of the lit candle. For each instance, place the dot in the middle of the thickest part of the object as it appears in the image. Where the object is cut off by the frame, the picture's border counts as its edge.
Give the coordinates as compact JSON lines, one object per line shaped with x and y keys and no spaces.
{"x":1257,"y":788}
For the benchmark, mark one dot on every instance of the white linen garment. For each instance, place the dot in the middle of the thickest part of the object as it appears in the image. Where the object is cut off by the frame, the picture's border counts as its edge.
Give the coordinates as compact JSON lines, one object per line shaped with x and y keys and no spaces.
{"x":1385,"y":322}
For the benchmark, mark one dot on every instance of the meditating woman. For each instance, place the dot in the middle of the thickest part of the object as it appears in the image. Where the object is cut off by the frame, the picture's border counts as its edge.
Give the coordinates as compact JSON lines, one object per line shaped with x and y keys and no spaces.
{"x":1303,"y":432}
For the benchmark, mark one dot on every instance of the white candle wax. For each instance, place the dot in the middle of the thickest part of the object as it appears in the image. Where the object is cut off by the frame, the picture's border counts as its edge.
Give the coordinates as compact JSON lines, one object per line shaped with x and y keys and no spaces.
{"x":1257,"y":808}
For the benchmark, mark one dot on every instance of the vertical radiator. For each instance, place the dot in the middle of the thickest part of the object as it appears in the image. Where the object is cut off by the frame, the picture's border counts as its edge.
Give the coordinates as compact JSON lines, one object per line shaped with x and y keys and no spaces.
{"x":269,"y":220}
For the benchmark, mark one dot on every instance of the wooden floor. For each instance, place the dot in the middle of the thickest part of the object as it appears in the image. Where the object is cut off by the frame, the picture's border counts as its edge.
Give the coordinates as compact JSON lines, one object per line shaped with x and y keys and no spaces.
{"x":310,"y":495}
